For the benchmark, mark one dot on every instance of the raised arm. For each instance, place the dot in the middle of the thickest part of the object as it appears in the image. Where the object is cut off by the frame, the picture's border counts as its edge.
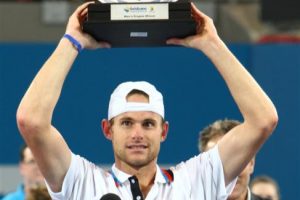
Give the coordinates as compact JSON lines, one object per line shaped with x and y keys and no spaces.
{"x":239,"y":146}
{"x":35,"y":111}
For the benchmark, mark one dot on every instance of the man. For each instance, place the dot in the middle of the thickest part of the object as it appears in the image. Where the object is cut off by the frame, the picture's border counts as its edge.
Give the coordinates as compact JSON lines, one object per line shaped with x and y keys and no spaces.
{"x":31,"y":174}
{"x":266,"y":187}
{"x":209,"y":137}
{"x":136,"y":126}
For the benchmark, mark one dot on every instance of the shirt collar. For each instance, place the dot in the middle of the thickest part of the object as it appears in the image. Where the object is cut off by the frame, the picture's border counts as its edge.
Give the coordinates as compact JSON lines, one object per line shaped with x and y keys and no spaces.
{"x":121,"y":177}
{"x":249,"y":194}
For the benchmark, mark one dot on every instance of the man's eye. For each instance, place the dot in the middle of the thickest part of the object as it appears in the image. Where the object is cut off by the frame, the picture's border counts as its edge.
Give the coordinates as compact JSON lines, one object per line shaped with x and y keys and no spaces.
{"x":148,"y":124}
{"x":126,"y":123}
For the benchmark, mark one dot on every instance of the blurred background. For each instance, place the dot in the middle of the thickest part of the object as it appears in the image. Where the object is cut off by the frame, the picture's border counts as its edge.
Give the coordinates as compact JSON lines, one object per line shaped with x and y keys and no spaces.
{"x":263,"y":34}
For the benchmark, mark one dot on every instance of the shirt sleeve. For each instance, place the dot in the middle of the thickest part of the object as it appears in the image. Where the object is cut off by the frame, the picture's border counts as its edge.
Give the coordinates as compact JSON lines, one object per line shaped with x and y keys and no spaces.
{"x":205,"y":176}
{"x":69,"y":179}
{"x":219,"y":177}
{"x":83,"y":180}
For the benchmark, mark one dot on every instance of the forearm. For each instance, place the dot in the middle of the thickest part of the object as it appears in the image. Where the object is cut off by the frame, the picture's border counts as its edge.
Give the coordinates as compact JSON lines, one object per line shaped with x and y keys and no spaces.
{"x":40,"y":99}
{"x":242,"y":142}
{"x":254,"y":104}
{"x":35,"y":111}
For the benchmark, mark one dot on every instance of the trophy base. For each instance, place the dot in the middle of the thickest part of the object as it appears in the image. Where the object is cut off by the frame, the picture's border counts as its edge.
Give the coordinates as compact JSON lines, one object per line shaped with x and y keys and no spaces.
{"x":103,"y":25}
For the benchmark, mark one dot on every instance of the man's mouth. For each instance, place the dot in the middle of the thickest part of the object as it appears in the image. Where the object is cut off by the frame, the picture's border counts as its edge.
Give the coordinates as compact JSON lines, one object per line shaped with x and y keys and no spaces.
{"x":137,"y":146}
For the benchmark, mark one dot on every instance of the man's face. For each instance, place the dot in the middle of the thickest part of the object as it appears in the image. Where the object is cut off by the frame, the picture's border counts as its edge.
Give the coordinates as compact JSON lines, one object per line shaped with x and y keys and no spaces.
{"x":265,"y":190}
{"x":241,"y":186}
{"x":136,"y":136}
{"x":29,"y":169}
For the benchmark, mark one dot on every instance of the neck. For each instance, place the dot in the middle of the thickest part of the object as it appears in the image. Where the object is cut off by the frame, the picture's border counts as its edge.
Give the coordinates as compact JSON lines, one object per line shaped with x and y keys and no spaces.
{"x":145,"y":175}
{"x":243,"y":196}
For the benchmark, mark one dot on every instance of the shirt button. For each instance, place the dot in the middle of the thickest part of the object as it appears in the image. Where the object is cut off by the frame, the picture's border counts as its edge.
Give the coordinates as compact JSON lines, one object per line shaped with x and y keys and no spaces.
{"x":138,"y":198}
{"x":132,"y":181}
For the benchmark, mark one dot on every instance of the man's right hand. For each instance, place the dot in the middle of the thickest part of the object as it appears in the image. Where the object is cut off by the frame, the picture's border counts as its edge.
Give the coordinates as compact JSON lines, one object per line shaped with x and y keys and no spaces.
{"x":74,"y":28}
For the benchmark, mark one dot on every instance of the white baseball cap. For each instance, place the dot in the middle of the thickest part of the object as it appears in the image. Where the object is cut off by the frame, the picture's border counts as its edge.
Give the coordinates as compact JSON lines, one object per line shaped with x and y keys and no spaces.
{"x":118,"y":103}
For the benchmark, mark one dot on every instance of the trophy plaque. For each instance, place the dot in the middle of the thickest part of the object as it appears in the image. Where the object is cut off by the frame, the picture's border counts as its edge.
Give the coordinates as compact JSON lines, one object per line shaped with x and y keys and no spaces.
{"x":139,"y":24}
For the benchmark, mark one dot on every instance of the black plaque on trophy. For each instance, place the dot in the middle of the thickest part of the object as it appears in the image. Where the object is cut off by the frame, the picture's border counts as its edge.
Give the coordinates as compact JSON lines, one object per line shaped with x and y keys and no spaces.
{"x":139,"y":24}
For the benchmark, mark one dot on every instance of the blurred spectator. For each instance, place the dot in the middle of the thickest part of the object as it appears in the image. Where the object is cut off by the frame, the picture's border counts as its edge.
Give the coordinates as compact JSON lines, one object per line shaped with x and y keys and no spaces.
{"x":266,"y":187}
{"x":31,"y":174}
{"x":209,"y":137}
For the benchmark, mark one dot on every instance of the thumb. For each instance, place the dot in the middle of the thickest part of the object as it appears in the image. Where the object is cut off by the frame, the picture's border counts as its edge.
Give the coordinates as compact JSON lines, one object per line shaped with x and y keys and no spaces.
{"x":174,"y":41}
{"x":103,"y":45}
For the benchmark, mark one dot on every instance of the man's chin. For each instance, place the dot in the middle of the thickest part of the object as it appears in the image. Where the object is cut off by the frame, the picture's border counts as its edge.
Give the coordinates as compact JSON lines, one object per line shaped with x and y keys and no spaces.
{"x":137,"y":164}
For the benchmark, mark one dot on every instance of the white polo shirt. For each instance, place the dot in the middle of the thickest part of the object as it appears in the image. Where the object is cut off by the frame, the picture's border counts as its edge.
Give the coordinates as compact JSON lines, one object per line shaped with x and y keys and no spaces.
{"x":199,"y":178}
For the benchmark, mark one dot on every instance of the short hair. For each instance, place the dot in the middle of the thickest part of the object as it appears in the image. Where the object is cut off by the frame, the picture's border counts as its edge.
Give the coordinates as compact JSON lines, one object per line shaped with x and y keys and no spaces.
{"x":216,"y":129}
{"x":265,"y":179}
{"x":140,"y":92}
{"x":21,"y":152}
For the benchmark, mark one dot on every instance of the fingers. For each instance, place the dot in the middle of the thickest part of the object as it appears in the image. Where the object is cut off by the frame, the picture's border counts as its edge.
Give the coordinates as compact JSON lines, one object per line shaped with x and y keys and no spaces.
{"x":197,"y":12}
{"x":173,"y":41}
{"x":84,"y":12}
{"x":177,"y":41}
{"x":92,"y":43}
{"x":104,"y":45}
{"x":81,"y":11}
{"x":84,"y":6}
{"x":83,"y":15}
{"x":74,"y":28}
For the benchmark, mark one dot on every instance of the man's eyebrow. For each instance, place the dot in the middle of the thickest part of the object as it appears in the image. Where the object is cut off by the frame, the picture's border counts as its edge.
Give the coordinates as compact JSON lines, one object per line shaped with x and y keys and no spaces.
{"x":126,"y":118}
{"x":143,"y":120}
{"x":150,"y":119}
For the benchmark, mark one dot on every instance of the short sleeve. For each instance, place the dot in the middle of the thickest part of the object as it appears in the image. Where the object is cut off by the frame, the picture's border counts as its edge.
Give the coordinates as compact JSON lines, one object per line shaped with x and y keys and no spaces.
{"x":205,"y":176}
{"x":65,"y":193}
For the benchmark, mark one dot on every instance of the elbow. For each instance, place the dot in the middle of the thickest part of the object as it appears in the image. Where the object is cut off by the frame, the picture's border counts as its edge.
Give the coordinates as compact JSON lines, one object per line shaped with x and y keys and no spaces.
{"x":24,"y":122}
{"x":268,"y":124}
{"x":28,"y":124}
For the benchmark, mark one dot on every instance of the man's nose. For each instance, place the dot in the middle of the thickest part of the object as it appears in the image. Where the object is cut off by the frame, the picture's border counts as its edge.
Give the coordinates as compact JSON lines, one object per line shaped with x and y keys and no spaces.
{"x":137,"y":132}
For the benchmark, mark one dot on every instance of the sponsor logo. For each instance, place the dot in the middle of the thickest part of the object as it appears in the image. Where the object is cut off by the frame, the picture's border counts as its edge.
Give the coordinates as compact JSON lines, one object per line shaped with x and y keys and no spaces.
{"x":138,"y":9}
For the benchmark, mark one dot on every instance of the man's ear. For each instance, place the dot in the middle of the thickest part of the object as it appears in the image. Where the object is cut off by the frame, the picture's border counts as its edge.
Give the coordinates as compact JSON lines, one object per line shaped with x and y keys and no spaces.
{"x":252,"y":165}
{"x":106,"y":129}
{"x":164,"y":131}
